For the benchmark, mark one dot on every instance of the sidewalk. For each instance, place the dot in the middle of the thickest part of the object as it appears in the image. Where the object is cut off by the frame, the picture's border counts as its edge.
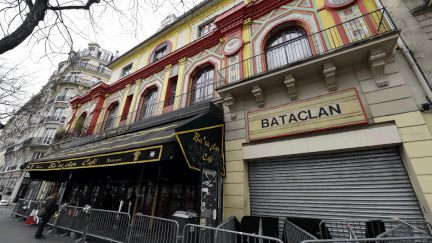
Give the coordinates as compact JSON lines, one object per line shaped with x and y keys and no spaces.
{"x":12,"y":231}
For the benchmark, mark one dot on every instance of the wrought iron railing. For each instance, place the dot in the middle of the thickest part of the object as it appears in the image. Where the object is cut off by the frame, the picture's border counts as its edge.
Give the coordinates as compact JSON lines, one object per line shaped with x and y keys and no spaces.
{"x":196,"y":96}
{"x":55,"y":119}
{"x":63,"y":98}
{"x":304,"y":48}
{"x":75,"y":80}
{"x":41,"y":141}
{"x":85,"y":65}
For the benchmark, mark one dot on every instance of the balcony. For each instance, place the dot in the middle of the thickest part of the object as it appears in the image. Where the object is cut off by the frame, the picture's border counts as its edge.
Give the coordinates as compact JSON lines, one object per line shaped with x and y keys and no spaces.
{"x":84,"y":65}
{"x":74,"y":80}
{"x":63,"y":98}
{"x":41,"y":141}
{"x":348,"y":43}
{"x":54,"y":119}
{"x":203,"y":94}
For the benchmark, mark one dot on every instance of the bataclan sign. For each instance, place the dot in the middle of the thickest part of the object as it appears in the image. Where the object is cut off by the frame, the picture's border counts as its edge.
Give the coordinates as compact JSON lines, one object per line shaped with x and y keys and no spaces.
{"x":332,"y":110}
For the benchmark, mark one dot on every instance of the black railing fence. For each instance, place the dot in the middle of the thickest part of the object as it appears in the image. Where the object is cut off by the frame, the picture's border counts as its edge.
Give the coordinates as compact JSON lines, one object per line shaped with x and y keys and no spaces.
{"x":303,"y":48}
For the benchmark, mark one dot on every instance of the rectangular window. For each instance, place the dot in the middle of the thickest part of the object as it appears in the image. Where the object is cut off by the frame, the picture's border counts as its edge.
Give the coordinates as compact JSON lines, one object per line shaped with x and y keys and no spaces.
{"x":91,"y":51}
{"x":205,"y":29}
{"x":127,"y":70}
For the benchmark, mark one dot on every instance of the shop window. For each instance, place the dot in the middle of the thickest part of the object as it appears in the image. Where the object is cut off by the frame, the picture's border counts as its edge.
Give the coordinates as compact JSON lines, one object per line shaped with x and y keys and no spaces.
{"x":110,"y":120}
{"x":127,"y":70}
{"x":206,"y":29}
{"x":160,"y":52}
{"x":287,"y":46}
{"x":202,"y":86}
{"x":148,"y":106}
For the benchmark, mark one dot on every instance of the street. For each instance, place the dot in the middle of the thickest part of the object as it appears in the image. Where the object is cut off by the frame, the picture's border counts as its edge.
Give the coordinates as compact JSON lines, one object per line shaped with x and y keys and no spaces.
{"x":17,"y":231}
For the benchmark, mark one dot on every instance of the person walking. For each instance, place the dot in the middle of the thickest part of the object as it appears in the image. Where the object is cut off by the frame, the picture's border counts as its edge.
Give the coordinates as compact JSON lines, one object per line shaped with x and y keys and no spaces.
{"x":50,"y":207}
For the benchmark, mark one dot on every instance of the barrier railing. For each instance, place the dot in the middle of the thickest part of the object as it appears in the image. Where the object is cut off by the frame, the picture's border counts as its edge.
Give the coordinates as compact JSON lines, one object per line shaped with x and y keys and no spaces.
{"x":350,"y":32}
{"x":203,"y":234}
{"x":345,"y":228}
{"x":376,"y":240}
{"x":146,"y":228}
{"x":229,"y":224}
{"x":108,"y":225}
{"x":294,"y":234}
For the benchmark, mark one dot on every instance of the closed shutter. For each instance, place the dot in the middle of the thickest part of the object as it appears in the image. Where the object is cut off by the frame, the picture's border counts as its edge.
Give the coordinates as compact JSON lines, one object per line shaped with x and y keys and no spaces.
{"x":361,"y":185}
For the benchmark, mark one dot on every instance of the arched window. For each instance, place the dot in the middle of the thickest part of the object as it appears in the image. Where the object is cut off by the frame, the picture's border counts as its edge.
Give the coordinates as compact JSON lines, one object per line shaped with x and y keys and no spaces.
{"x":110,"y":120}
{"x":161,"y":51}
{"x":287,"y":46}
{"x":148,"y":103}
{"x":202,"y":86}
{"x":80,"y":124}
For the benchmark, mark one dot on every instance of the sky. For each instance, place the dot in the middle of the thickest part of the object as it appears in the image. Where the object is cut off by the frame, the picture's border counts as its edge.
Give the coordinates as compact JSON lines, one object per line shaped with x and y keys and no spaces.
{"x":112,"y":31}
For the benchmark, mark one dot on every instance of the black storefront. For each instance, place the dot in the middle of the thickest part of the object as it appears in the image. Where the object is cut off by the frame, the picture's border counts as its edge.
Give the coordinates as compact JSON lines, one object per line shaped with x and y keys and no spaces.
{"x":172,"y":162}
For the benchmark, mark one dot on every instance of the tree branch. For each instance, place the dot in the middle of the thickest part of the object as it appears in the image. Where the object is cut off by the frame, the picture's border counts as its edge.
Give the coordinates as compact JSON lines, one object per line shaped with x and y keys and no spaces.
{"x":36,"y":14}
{"x":85,"y":7}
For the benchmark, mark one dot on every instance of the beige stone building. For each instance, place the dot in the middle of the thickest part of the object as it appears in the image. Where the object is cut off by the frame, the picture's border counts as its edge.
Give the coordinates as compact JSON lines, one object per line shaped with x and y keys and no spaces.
{"x":33,"y":129}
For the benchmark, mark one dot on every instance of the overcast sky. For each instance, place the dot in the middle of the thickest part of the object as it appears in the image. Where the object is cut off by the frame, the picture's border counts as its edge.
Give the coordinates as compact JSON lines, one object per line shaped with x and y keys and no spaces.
{"x":114,"y":34}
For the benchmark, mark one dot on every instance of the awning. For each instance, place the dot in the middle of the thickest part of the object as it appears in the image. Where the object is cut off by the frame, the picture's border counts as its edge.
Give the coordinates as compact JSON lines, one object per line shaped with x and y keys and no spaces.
{"x":200,"y":137}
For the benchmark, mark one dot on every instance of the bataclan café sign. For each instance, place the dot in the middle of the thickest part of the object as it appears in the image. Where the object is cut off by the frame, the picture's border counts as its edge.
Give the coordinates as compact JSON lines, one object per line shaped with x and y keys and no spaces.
{"x":338,"y":109}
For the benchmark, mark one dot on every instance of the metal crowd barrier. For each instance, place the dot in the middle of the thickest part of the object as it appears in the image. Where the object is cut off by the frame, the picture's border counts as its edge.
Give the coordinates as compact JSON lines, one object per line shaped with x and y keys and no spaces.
{"x":203,"y":234}
{"x":294,"y":234}
{"x":108,"y":225}
{"x":376,"y":240}
{"x":70,"y":219}
{"x":146,"y":228}
{"x":229,"y":224}
{"x":340,"y":229}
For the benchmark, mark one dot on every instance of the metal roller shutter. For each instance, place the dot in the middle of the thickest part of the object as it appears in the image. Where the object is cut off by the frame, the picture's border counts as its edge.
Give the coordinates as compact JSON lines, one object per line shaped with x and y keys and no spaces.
{"x":364,"y":184}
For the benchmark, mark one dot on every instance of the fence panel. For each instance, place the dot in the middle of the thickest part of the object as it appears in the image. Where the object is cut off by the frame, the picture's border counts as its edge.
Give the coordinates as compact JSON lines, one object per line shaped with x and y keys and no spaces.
{"x":202,"y":234}
{"x":108,"y":225}
{"x":294,"y":234}
{"x":338,"y":229}
{"x":376,"y":240}
{"x":153,"y":229}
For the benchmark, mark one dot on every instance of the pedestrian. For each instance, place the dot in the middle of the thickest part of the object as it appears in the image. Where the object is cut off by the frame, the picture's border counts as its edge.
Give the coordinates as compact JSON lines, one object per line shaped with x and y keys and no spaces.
{"x":50,"y":207}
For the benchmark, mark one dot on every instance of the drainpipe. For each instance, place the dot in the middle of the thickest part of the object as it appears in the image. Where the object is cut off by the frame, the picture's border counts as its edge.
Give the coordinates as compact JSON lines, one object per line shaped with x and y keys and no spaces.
{"x":411,"y":60}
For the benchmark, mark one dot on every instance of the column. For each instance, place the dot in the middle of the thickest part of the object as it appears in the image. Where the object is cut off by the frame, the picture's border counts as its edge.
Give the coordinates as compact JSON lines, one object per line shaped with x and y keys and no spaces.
{"x":95,"y":115}
{"x":123,"y":104}
{"x":179,"y":97}
{"x":159,"y":106}
{"x":134,"y":99}
{"x":74,"y":112}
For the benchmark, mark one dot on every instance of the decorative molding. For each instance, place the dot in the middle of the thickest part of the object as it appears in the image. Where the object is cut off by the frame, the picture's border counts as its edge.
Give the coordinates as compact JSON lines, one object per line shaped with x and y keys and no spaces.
{"x":247,"y":23}
{"x":229,"y":101}
{"x":330,"y":76}
{"x":259,"y":95}
{"x":128,"y":86}
{"x":106,"y":96}
{"x":222,"y":40}
{"x":377,"y":65}
{"x":137,"y":82}
{"x":182,"y":61}
{"x":168,"y":67}
{"x":79,"y":106}
{"x":290,"y":84}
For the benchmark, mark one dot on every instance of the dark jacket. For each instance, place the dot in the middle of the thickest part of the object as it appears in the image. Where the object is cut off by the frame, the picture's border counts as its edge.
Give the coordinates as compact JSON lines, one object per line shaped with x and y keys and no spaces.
{"x":51,"y":206}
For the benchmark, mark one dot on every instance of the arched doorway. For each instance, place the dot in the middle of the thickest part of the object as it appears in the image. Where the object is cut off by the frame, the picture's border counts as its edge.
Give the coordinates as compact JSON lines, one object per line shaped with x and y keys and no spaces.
{"x":110,"y":119}
{"x":79,"y":126}
{"x":202,"y":85}
{"x":287,"y":46}
{"x":148,"y":103}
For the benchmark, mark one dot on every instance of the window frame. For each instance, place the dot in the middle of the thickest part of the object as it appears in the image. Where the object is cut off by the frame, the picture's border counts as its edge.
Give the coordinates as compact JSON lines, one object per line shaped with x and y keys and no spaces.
{"x":208,"y":23}
{"x":129,"y":71}
{"x":163,"y":46}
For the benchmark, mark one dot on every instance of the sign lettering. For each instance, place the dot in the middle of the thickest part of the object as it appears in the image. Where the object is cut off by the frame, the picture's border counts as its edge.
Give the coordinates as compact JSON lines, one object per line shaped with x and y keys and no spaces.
{"x":333,"y":110}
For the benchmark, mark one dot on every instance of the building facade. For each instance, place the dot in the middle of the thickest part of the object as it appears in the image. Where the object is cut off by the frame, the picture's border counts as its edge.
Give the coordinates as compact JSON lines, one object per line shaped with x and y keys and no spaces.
{"x":323,"y":117}
{"x":40,"y":122}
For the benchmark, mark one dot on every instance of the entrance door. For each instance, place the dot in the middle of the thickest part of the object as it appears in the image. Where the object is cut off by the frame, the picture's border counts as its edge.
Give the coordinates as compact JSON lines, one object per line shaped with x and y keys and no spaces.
{"x":360,"y":185}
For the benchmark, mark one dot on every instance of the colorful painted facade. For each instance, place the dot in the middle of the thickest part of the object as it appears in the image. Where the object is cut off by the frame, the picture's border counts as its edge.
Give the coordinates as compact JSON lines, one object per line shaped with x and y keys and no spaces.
{"x":262,"y":55}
